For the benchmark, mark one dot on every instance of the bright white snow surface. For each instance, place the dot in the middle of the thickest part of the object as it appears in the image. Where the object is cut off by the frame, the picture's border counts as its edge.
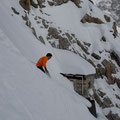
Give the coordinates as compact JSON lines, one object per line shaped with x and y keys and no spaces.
{"x":25,"y":92}
{"x":72,"y":63}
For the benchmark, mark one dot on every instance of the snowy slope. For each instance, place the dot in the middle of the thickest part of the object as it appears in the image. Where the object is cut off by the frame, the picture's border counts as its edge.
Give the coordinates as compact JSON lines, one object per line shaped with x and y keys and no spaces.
{"x":111,"y":7}
{"x":89,"y":33}
{"x":25,"y":92}
{"x":72,"y":63}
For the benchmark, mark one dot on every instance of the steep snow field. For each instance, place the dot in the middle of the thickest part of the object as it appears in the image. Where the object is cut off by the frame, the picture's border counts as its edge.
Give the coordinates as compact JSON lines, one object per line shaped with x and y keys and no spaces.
{"x":110,"y":91}
{"x":25,"y":92}
{"x":108,"y":7}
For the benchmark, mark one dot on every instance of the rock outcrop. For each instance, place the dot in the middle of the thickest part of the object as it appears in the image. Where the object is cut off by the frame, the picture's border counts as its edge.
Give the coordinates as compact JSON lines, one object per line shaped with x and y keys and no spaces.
{"x":109,"y":70}
{"x":40,"y":3}
{"x":77,"y":3}
{"x":117,"y":80}
{"x":64,"y":39}
{"x":91,"y":1}
{"x":97,"y":57}
{"x":15,"y":11}
{"x":103,"y":39}
{"x":26,"y":4}
{"x":107,"y":18}
{"x":112,"y":116}
{"x":115,"y":32}
{"x":110,"y":6}
{"x":63,"y":42}
{"x":90,"y":19}
{"x":59,"y":2}
{"x":115,"y":56}
{"x":102,"y":100}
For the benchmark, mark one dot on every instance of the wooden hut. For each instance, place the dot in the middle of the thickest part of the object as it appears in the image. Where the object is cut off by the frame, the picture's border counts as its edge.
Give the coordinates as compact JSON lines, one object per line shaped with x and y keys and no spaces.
{"x":82,"y":83}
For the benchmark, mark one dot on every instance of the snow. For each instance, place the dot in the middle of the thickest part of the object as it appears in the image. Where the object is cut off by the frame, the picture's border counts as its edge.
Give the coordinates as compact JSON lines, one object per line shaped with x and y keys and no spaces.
{"x":28,"y":94}
{"x":97,"y":1}
{"x":72,"y":63}
{"x":118,"y":29}
{"x":110,"y":91}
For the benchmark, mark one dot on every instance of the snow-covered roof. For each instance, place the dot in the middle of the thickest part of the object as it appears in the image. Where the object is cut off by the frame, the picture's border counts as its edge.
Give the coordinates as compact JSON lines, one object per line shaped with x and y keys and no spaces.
{"x":73,"y":64}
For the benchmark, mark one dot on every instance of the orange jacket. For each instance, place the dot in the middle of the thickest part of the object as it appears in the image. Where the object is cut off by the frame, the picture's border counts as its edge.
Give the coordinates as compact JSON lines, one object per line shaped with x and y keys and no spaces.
{"x":42,"y":62}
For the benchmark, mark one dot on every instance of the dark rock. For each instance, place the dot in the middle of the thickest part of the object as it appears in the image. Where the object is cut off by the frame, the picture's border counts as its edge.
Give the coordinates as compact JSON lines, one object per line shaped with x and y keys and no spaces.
{"x":97,"y":98}
{"x":96,"y":56}
{"x":113,"y":7}
{"x":25,"y":17}
{"x":53,"y":44}
{"x":35,"y":18}
{"x":109,"y":70}
{"x":14,"y":10}
{"x":85,"y":49}
{"x":91,"y":1}
{"x":44,"y":23}
{"x":92,"y":109}
{"x":91,"y":62}
{"x":89,"y":19}
{"x":115,"y":57}
{"x":103,"y":39}
{"x":100,"y":71}
{"x":88,"y":44}
{"x":107,"y":103}
{"x":51,"y":3}
{"x":57,"y":2}
{"x":107,"y":18}
{"x":118,"y":97}
{"x":112,"y":116}
{"x":118,"y":106}
{"x":41,"y":39}
{"x":63,"y":43}
{"x":26,"y":4}
{"x":115,"y":34}
{"x":38,"y":22}
{"x":73,"y":35}
{"x":77,"y":3}
{"x":117,"y":81}
{"x":40,"y":3}
{"x":109,"y":64}
{"x":102,"y":94}
{"x":68,"y":36}
{"x":53,"y":32}
{"x":34,"y":4}
{"x":28,"y":23}
{"x":34,"y":32}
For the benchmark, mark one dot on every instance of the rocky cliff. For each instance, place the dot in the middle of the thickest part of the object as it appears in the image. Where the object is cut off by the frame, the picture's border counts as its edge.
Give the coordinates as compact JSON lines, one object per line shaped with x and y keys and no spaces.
{"x":110,"y":6}
{"x":80,"y":27}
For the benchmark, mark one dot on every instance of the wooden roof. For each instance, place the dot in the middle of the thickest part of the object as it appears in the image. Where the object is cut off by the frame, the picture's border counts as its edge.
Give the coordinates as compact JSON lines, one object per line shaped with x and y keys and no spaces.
{"x":74,"y":76}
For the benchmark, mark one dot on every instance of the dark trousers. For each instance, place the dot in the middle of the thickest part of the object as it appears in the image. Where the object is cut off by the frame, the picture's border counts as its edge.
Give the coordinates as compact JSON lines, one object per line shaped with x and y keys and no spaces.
{"x":41,"y":68}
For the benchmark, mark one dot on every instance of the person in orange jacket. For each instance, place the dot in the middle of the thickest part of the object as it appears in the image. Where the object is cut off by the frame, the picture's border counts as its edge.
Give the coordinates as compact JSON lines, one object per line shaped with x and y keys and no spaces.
{"x":41,"y":64}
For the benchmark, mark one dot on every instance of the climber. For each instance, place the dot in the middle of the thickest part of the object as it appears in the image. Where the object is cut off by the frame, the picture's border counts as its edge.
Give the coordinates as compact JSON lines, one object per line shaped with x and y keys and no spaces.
{"x":41,"y":64}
